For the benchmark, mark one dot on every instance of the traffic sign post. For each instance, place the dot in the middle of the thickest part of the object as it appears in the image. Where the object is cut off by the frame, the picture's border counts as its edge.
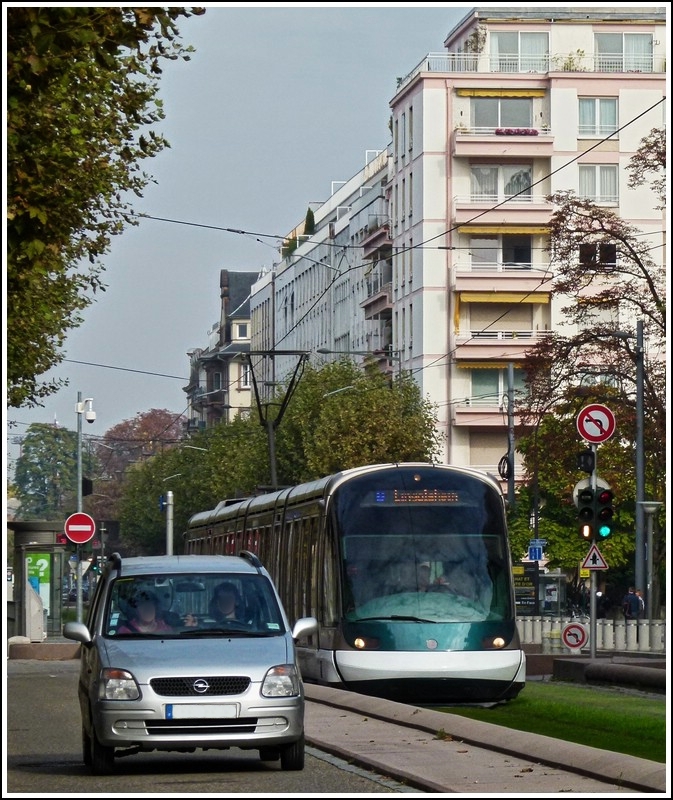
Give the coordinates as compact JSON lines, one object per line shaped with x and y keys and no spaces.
{"x":80,"y":528}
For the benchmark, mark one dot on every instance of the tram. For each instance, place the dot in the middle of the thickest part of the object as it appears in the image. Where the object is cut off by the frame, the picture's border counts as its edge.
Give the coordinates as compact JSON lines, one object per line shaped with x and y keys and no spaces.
{"x":407,"y":569}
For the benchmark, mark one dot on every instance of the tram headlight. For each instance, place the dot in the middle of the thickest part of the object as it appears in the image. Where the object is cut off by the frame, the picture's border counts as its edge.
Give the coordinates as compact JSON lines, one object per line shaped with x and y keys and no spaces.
{"x":494,"y":643}
{"x":360,"y":643}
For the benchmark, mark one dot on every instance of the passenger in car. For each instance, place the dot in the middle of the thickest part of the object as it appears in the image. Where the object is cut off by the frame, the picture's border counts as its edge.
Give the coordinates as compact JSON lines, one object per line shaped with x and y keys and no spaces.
{"x":226,"y":602}
{"x":144,"y":617}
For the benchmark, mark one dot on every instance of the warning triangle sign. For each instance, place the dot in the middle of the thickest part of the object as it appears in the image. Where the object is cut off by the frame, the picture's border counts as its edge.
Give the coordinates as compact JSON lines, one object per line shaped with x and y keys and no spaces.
{"x":594,"y":559}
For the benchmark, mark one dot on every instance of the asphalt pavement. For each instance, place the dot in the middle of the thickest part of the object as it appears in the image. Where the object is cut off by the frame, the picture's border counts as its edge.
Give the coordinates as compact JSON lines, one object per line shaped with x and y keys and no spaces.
{"x":431,"y":751}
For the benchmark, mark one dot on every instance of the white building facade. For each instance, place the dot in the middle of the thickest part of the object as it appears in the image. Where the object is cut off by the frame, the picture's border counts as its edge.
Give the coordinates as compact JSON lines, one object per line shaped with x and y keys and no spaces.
{"x":434,"y":256}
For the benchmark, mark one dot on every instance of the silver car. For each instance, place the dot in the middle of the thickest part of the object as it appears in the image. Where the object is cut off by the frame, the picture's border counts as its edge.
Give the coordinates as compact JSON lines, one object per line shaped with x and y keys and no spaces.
{"x":186,"y":652}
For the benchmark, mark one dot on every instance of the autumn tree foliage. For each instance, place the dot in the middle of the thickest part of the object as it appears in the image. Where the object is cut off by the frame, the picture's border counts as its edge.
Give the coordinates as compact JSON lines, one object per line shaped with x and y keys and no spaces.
{"x":81,"y":97}
{"x":608,"y":275}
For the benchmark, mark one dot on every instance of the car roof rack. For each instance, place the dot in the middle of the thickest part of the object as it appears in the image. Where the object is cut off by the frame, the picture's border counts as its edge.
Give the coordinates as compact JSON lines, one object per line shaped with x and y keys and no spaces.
{"x":115,"y":562}
{"x":252,"y":558}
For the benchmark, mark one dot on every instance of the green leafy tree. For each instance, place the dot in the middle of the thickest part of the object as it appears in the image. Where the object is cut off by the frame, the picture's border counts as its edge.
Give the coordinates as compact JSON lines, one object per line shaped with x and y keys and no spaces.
{"x":46,"y":473}
{"x":81,"y":93}
{"x":342,"y":417}
{"x":339,"y":417}
{"x":309,"y":223}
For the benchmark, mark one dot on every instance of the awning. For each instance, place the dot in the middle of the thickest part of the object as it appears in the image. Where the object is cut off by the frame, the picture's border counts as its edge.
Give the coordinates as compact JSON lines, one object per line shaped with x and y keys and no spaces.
{"x":486,"y":364}
{"x":505,"y":297}
{"x":503,"y":229}
{"x":500,"y":92}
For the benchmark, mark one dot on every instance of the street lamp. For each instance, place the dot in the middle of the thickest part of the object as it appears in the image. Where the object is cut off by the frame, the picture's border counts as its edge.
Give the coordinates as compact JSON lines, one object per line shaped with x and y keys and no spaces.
{"x":640,"y":447}
{"x":169,"y":516}
{"x":396,"y":354}
{"x":82,"y":408}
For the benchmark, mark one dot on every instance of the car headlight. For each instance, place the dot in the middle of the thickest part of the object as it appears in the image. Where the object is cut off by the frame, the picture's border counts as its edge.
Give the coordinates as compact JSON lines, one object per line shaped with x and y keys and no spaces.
{"x":281,"y":681}
{"x":117,"y":684}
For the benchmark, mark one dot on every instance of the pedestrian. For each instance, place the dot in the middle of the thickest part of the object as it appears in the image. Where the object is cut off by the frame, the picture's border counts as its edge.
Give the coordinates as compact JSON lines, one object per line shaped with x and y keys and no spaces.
{"x":641,"y":602}
{"x":631,"y":604}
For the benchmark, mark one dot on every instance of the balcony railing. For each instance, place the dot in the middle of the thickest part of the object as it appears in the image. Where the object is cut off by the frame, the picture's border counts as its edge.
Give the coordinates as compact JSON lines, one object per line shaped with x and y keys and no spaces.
{"x":539,"y":199}
{"x":521,"y":63}
{"x":505,"y":130}
{"x":493,"y":334}
{"x":498,"y":266}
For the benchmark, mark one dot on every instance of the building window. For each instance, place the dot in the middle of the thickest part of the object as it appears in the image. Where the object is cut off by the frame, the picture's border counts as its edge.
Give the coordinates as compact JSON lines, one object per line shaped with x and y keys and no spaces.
{"x":623,"y":52}
{"x":411,"y":129}
{"x":244,"y":372}
{"x":513,"y":251}
{"x":598,"y":254}
{"x":598,"y":116}
{"x":489,"y":386}
{"x":598,"y":183}
{"x":513,"y":51}
{"x":490,"y":184}
{"x":502,"y":112}
{"x":242,"y":330}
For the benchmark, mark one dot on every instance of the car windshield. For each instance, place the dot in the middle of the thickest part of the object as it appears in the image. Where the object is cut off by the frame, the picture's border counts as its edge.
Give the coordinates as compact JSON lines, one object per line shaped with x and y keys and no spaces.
{"x":192,"y":604}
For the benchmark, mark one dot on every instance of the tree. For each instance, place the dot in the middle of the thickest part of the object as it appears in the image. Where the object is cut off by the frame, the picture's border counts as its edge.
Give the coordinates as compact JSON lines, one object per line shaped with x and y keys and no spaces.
{"x":610,"y":274}
{"x":46,"y":473}
{"x":342,"y":416}
{"x":82,"y":87}
{"x":309,"y":223}
{"x":327,"y":427}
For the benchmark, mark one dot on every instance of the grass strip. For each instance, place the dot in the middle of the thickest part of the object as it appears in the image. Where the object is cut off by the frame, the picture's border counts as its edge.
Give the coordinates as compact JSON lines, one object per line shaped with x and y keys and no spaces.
{"x":599,"y":717}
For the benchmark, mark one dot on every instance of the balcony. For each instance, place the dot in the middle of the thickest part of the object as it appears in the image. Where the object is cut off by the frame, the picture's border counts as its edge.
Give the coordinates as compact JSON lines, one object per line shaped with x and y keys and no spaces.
{"x":378,"y":237}
{"x":509,"y":277}
{"x":518,"y":209}
{"x":522,"y":64}
{"x":504,"y":143}
{"x":510,"y":345}
{"x":378,"y":304}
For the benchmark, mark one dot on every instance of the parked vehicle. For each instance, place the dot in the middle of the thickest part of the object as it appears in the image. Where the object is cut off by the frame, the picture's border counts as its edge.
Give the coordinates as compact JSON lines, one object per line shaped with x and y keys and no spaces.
{"x":167,"y":664}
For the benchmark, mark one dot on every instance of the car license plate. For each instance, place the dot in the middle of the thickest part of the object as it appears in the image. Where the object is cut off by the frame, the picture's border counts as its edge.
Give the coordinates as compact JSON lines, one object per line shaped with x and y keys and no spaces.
{"x":200,"y":711}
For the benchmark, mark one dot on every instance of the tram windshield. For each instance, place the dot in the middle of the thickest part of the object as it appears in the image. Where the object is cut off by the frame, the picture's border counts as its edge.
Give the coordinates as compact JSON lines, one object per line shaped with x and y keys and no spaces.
{"x":433,"y":551}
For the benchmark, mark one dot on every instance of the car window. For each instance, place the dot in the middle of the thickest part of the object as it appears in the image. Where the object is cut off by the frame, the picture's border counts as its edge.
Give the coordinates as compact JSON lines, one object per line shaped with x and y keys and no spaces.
{"x":192,"y":604}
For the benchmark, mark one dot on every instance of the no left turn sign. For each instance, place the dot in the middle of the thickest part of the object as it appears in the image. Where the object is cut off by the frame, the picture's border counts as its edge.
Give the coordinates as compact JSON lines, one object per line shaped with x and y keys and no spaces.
{"x":596,"y":423}
{"x":574,"y":636}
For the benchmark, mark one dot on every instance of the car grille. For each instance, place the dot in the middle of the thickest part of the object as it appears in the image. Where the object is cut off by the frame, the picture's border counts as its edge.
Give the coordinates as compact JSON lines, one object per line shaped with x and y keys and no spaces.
{"x":196,"y":727}
{"x":200,"y":686}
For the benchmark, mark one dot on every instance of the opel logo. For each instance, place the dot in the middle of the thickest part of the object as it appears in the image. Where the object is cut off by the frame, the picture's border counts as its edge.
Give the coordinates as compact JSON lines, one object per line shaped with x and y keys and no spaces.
{"x":201,"y":686}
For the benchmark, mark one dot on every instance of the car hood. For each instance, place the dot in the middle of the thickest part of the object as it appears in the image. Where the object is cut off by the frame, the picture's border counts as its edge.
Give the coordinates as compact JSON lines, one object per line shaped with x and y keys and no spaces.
{"x":153,"y":658}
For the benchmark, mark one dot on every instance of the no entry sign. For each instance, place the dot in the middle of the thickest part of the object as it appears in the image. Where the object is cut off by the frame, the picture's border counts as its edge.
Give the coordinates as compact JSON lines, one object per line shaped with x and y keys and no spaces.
{"x":79,"y":528}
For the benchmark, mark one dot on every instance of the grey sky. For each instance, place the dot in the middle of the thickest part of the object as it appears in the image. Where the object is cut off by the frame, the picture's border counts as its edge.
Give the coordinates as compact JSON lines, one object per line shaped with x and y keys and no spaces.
{"x":276,"y":103}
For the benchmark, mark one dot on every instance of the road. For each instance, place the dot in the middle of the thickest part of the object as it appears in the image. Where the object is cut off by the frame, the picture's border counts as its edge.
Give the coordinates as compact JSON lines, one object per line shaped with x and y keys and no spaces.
{"x":43,"y":753}
{"x":357,"y":745}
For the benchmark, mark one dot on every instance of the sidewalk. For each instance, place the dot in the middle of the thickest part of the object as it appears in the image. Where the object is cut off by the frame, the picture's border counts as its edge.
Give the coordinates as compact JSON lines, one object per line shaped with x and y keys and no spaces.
{"x":437,"y":752}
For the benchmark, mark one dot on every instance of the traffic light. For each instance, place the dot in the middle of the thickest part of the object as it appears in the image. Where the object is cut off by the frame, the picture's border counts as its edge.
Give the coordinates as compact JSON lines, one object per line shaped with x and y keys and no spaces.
{"x":586,"y":514}
{"x":604,"y":513}
{"x":586,"y":461}
{"x":87,"y":487}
